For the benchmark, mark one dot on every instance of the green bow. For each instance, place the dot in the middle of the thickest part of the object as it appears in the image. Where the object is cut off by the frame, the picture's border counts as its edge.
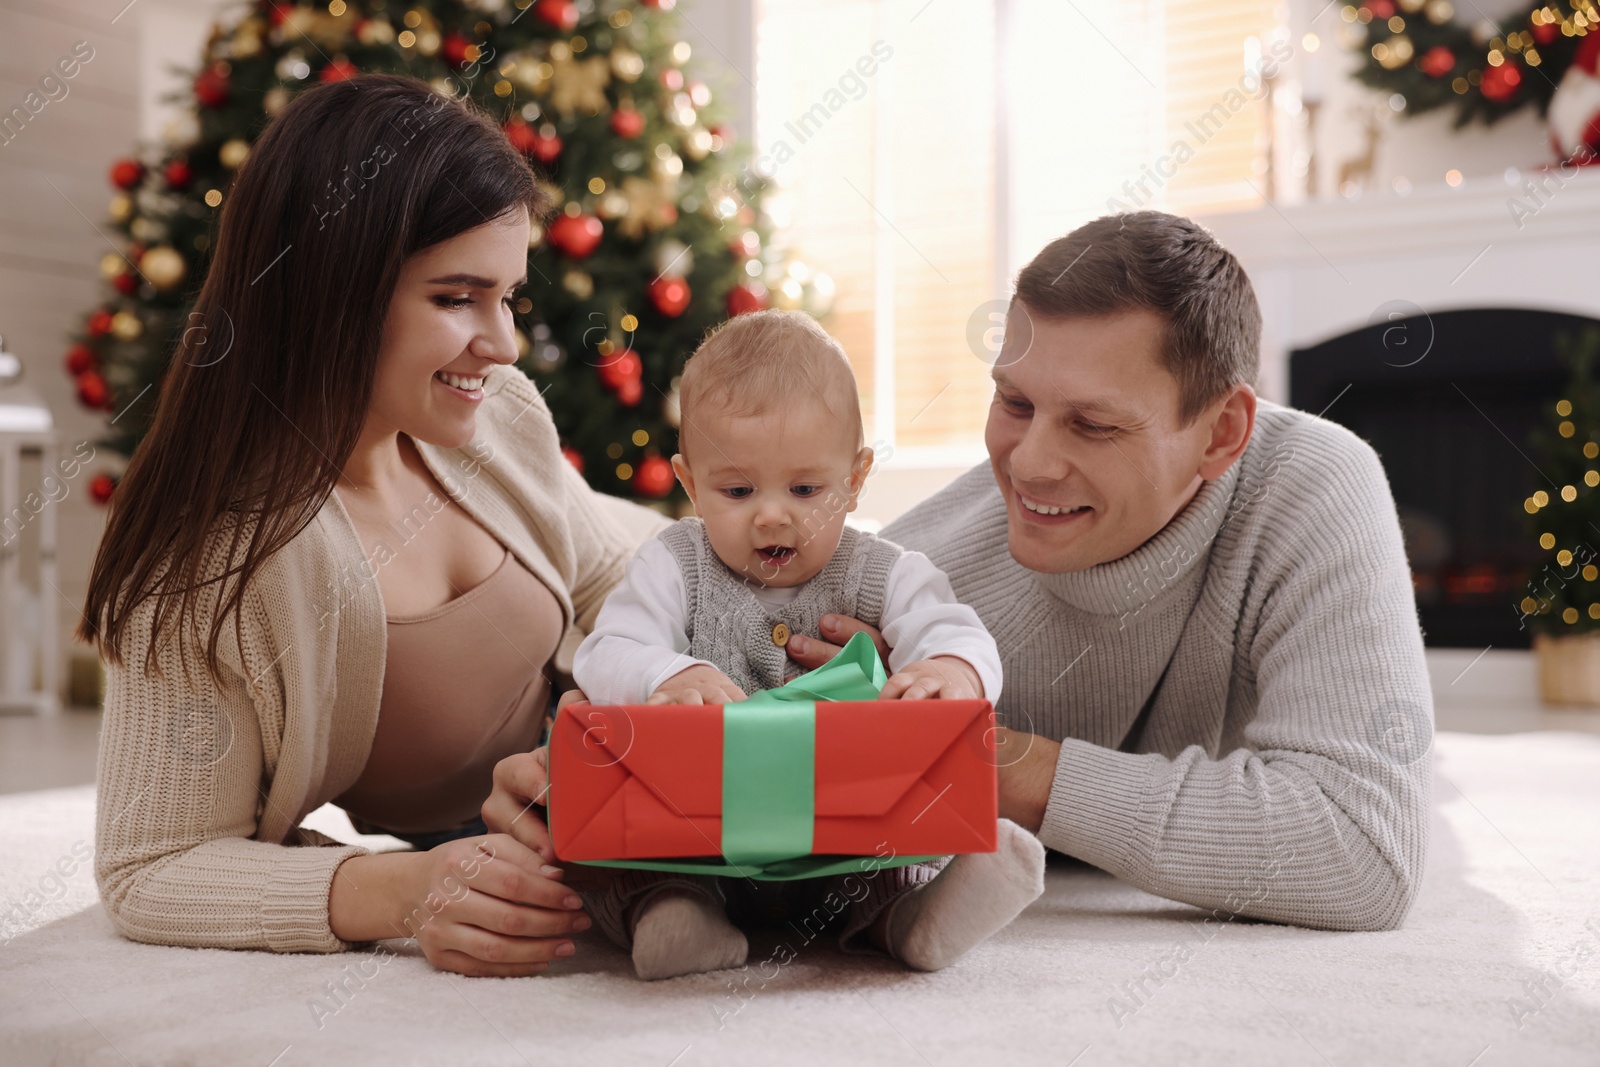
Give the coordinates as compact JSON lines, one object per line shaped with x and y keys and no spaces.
{"x":769,"y":777}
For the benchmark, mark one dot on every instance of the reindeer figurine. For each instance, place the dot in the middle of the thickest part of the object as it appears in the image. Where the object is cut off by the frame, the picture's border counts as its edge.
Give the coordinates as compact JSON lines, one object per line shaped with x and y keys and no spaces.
{"x":1356,"y":172}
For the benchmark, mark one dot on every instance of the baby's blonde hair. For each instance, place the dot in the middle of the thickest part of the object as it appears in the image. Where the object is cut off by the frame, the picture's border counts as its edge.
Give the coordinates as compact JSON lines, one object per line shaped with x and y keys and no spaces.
{"x":766,"y":359}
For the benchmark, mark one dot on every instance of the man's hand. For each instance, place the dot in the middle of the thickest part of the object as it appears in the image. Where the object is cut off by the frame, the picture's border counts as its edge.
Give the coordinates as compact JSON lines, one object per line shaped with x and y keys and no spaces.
{"x":812,"y":653}
{"x":1027,"y":771}
{"x":697,"y":685}
{"x":941,"y":678}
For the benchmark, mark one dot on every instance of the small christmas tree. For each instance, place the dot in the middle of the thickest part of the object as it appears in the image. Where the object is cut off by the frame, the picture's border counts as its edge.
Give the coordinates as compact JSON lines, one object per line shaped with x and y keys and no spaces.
{"x":1563,"y":596}
{"x":660,"y":237}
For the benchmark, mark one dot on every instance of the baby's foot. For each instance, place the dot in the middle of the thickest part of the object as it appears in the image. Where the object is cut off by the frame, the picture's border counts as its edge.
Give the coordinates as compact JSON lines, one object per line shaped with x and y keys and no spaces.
{"x":975,"y":895}
{"x":683,"y":931}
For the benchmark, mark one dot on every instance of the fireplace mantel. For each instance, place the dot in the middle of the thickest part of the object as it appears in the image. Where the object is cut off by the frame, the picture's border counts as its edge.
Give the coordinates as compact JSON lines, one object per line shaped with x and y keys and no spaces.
{"x":1325,"y":268}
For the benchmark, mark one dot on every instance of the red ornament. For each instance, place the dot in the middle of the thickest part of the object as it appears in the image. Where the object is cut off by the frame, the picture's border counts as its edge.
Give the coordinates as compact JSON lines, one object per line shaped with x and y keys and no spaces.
{"x":543,"y":144}
{"x":521,"y":136}
{"x":546,"y":147}
{"x":659,"y":5}
{"x":575,"y":235}
{"x":1437,"y":61}
{"x":620,"y":368}
{"x":746,"y":296}
{"x":92,"y":389}
{"x":178,"y":174}
{"x":211,"y":87}
{"x":341,"y":69}
{"x":562,"y":14}
{"x":626,"y":122}
{"x":99,"y":323}
{"x":101,"y":486}
{"x":127,"y":174}
{"x":574,"y":457}
{"x":1381,"y":9}
{"x":1546,"y":32}
{"x":125,"y":283}
{"x":454,"y":49}
{"x":653,"y":477}
{"x":670,"y":296}
{"x":1500,"y":84}
{"x":79,"y":359}
{"x":631,"y":392}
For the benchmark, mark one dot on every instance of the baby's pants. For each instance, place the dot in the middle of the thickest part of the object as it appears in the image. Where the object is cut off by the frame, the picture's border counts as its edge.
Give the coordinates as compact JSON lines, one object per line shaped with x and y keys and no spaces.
{"x":806,"y":906}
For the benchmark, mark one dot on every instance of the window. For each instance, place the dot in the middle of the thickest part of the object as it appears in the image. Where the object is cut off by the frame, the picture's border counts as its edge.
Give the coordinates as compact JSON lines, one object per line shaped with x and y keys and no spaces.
{"x":923,"y":152}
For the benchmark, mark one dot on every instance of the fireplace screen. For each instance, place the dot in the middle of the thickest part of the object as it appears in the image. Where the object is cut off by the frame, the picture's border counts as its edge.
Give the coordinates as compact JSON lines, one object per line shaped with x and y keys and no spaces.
{"x":1448,"y":400}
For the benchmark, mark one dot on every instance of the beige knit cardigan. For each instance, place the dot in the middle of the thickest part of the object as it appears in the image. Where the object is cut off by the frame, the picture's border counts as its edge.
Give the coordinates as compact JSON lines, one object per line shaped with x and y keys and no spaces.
{"x":203,"y":784}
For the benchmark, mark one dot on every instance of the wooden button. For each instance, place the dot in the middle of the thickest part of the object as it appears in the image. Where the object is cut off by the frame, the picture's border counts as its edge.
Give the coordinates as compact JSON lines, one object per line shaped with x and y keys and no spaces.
{"x":780,"y":634}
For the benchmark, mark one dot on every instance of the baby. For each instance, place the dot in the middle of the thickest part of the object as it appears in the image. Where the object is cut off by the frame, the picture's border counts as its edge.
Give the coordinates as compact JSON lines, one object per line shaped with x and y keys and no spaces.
{"x":771,"y":455}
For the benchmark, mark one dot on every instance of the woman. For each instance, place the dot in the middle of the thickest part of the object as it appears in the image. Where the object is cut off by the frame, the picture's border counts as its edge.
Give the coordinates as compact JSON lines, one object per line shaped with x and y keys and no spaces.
{"x":343,"y":559}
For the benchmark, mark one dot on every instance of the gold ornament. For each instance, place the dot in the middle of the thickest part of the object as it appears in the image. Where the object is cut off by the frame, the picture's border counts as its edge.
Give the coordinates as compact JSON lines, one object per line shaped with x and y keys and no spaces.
{"x":121,"y":208}
{"x":276,"y":100}
{"x":649,"y":208}
{"x":147,"y":230}
{"x":578,"y":283}
{"x":126,"y":326}
{"x":376,"y":31}
{"x":329,"y":31}
{"x":579,"y":85}
{"x":697,"y":143}
{"x":247,"y":39}
{"x":111,"y":265}
{"x":164,"y":267}
{"x":233,"y":152}
{"x":626,"y":64}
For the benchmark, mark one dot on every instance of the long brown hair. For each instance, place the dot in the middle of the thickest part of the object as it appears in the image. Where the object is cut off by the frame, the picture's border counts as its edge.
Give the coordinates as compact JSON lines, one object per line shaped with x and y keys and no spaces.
{"x":266,"y":393}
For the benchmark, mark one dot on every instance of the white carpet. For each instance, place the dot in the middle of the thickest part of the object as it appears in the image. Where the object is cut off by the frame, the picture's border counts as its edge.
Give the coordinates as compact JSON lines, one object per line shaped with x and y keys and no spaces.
{"x":1511,"y":900}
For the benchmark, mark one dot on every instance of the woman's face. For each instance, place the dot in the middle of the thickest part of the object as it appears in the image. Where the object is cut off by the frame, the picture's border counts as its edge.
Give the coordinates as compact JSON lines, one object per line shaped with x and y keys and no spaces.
{"x":449,"y":321}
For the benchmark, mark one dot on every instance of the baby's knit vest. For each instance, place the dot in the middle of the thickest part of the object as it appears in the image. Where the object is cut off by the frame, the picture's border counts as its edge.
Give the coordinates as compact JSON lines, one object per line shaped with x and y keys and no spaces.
{"x":728,"y":626}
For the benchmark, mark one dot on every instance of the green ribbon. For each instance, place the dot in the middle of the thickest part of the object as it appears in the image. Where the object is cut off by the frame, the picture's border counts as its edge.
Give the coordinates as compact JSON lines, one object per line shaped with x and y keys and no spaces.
{"x":769,"y":778}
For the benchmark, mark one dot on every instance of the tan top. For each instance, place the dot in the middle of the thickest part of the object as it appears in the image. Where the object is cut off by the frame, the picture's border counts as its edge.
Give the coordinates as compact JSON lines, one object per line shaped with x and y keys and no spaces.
{"x":203,"y":782}
{"x":465,"y":686}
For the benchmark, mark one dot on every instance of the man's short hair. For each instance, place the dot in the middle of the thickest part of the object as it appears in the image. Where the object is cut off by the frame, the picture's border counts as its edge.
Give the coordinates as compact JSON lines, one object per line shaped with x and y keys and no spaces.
{"x":768,"y":359}
{"x":1166,"y":264}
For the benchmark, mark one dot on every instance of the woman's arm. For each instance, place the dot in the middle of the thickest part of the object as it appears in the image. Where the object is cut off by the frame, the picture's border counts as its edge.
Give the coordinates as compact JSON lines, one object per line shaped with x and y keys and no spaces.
{"x":180,"y":778}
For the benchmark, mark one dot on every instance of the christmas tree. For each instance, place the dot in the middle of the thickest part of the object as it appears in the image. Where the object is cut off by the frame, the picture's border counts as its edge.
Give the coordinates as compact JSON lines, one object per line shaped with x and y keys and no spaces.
{"x":1483,"y":69}
{"x":661,"y":234}
{"x":1564,"y":594}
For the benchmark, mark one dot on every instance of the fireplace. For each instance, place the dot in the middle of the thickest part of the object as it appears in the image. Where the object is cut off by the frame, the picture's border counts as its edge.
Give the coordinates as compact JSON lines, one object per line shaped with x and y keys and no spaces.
{"x":1448,"y":400}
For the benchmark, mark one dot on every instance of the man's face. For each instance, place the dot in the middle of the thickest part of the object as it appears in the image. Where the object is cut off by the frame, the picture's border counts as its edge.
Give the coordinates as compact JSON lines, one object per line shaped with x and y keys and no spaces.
{"x":1084,"y":439}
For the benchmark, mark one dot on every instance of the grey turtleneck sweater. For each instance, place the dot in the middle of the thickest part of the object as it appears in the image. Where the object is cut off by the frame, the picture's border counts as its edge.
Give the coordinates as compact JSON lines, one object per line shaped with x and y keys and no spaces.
{"x":1242,"y":701}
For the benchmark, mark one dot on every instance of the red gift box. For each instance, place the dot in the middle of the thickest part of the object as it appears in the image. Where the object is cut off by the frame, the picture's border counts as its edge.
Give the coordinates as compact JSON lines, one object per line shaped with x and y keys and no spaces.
{"x":642,"y":782}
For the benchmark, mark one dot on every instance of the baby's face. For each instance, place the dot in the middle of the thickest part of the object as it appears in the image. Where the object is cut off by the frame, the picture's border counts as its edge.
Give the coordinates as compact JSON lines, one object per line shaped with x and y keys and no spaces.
{"x":773,"y":489}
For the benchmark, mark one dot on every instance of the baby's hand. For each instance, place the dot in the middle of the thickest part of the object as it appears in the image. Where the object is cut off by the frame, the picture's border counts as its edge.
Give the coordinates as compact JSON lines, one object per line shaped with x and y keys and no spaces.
{"x":697,"y":685}
{"x":941,"y":678}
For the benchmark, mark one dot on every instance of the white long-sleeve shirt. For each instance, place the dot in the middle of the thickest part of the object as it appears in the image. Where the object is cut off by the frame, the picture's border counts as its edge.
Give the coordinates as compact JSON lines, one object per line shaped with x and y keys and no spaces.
{"x":641,"y":636}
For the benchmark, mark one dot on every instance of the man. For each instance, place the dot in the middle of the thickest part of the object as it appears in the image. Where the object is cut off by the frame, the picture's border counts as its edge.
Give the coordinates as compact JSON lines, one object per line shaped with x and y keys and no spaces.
{"x":1214,"y":677}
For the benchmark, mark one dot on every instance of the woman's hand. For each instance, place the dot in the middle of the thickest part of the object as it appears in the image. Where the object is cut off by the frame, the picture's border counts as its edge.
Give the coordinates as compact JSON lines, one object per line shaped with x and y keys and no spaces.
{"x":489,"y":906}
{"x":811,"y":653}
{"x":477,"y":906}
